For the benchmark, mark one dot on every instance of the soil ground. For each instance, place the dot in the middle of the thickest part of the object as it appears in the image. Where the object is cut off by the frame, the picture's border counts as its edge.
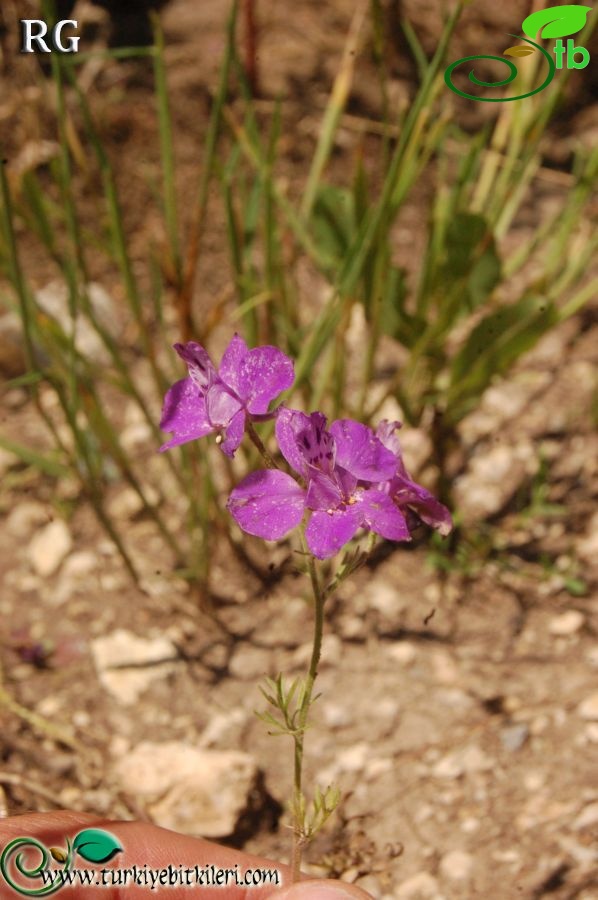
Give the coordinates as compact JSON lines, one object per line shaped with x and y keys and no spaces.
{"x":458,"y":709}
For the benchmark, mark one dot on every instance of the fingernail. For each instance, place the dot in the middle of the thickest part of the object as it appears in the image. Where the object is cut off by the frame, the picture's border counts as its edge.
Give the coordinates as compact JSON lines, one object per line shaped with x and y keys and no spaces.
{"x":321,"y":890}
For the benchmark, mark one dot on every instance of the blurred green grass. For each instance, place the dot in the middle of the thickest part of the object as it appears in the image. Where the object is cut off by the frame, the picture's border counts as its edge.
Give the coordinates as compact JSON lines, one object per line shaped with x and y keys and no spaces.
{"x":461,"y":320}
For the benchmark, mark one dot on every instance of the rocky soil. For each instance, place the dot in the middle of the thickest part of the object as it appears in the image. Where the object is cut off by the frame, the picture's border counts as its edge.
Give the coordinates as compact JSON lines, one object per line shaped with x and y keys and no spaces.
{"x":459,"y":707}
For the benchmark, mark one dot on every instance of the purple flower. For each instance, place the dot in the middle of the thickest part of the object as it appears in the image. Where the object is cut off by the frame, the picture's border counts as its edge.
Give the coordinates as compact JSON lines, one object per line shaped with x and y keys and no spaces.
{"x":407,"y":494}
{"x":219,"y":400}
{"x":341,"y":468}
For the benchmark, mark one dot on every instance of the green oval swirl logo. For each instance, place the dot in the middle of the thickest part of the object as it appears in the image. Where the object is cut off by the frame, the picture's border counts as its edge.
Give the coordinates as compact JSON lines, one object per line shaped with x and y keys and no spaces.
{"x":511,"y":77}
{"x":553,"y":22}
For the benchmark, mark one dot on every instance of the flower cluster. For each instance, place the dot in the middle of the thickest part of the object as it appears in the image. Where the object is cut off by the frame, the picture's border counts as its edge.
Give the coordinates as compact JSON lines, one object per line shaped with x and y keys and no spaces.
{"x":346,"y":476}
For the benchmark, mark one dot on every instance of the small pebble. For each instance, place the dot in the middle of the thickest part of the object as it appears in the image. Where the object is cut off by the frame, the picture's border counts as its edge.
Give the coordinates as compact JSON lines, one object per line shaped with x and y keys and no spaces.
{"x":248,"y":663}
{"x":49,"y":547}
{"x":514,"y":736}
{"x":354,"y":758}
{"x":332,"y":650}
{"x":25,"y":517}
{"x":7,"y":460}
{"x":461,"y":762}
{"x":591,"y":732}
{"x":402,"y":652}
{"x":566,"y":624}
{"x":336,"y":716}
{"x":371,"y":885}
{"x":422,"y":885}
{"x":533,"y":781}
{"x":587,"y":818}
{"x":385,"y":599}
{"x":588,"y":708}
{"x":445,"y":668}
{"x":456,"y":865}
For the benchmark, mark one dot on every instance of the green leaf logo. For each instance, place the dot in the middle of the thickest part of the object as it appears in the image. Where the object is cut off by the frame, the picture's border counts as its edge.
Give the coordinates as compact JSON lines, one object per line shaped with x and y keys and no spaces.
{"x":96,"y":846}
{"x":556,"y":21}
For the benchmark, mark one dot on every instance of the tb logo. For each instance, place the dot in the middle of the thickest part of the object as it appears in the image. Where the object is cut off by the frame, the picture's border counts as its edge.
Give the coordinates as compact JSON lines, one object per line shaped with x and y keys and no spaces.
{"x":34,"y":31}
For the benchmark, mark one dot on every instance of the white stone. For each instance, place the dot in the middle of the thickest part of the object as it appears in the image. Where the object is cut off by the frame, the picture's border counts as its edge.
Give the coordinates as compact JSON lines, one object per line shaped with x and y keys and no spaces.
{"x":513,"y":737}
{"x":456,"y":865}
{"x":566,"y":623}
{"x":332,"y":648}
{"x":591,"y":732}
{"x":335,"y":715}
{"x":384,"y":598}
{"x":592,"y":656}
{"x":248,"y":663}
{"x":48,"y":548}
{"x":533,"y":781}
{"x":371,"y":885}
{"x":136,"y":435}
{"x":25,"y":517}
{"x":445,"y":668}
{"x":378,"y":766}
{"x":127,"y":664}
{"x":492,"y":478}
{"x":125,"y":505}
{"x":402,"y":652}
{"x":586,"y":857}
{"x":73,"y":576}
{"x":200,"y":792}
{"x":7,"y":460}
{"x":49,"y":706}
{"x":387,"y":708}
{"x":423,"y":885}
{"x":80,"y":564}
{"x":354,"y":758}
{"x":588,"y":708}
{"x":53,"y":300}
{"x":462,"y":762}
{"x":454,"y":698}
{"x":587,"y":818}
{"x":220,"y":725}
{"x":81,"y":718}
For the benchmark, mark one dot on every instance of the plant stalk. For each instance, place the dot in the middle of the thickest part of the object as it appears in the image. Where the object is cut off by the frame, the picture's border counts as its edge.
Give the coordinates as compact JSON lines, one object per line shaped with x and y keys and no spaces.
{"x":299,"y":837}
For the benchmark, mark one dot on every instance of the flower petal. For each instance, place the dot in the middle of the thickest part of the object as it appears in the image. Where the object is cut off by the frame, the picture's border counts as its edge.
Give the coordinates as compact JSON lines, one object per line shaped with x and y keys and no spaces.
{"x":327,"y":532}
{"x":264,"y":374}
{"x":201,"y":368}
{"x":268,"y":503}
{"x":289,"y":422}
{"x":382,"y":516}
{"x":184,"y":413}
{"x":221,"y":405}
{"x":232,"y":361}
{"x":360,"y":452}
{"x":386,"y":433}
{"x":323,"y":492}
{"x":407,"y":494}
{"x":234,"y":434}
{"x":316,"y":444}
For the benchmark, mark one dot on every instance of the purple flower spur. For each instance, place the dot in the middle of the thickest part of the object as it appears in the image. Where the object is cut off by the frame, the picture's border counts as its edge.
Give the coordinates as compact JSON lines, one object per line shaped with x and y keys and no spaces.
{"x":341,"y":469}
{"x":416,"y":501}
{"x":220,"y":400}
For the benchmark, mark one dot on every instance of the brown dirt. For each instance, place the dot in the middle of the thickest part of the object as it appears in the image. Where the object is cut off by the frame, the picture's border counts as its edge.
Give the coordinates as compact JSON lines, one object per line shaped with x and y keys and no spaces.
{"x":451,"y":712}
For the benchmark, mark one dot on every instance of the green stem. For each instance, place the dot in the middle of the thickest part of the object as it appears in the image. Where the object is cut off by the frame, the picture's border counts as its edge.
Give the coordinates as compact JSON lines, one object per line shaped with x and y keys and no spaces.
{"x":257,"y":441}
{"x":299,"y":838}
